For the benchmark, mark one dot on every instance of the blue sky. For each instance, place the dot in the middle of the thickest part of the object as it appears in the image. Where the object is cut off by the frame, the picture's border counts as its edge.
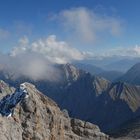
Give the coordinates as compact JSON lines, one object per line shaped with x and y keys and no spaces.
{"x":88,"y":25}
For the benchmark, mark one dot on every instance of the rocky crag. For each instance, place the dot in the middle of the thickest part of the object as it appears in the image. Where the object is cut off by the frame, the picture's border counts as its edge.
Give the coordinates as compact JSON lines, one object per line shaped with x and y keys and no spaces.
{"x":37,"y":117}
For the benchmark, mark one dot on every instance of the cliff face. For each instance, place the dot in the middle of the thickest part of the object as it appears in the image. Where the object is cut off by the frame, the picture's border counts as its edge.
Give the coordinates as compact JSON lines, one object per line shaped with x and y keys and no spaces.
{"x":39,"y":118}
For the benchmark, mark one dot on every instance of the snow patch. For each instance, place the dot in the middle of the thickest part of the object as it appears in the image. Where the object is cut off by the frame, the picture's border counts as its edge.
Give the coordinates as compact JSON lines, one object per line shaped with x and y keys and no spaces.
{"x":9,"y":102}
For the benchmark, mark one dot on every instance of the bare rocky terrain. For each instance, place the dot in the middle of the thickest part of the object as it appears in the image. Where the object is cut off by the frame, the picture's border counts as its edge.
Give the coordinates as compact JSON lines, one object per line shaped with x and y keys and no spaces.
{"x":39,"y":118}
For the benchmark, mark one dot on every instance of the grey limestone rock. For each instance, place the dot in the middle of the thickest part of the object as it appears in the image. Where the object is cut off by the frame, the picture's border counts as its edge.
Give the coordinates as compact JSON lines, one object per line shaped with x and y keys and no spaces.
{"x":39,"y":118}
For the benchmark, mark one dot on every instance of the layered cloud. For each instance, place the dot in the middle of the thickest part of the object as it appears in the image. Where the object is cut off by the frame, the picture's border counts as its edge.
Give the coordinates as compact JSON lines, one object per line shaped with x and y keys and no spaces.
{"x":130,"y":52}
{"x":37,"y":60}
{"x":87,"y":25}
{"x":29,"y":65}
{"x":122,"y":51}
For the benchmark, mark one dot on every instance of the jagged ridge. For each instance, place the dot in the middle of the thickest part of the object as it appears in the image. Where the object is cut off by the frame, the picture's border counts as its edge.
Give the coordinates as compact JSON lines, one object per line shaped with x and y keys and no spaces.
{"x":39,"y":118}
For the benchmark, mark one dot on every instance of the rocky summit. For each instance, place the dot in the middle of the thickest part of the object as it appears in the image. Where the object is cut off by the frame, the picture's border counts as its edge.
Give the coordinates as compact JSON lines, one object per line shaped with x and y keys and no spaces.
{"x":37,"y":117}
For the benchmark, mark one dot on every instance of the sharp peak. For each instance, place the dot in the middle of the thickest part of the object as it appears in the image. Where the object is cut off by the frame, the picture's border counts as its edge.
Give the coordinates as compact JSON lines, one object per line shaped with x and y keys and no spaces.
{"x":69,"y":65}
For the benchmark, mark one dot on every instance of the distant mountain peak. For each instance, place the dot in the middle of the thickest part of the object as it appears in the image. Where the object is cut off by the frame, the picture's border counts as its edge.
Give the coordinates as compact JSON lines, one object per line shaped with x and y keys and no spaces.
{"x":71,"y":72}
{"x":132,"y":76}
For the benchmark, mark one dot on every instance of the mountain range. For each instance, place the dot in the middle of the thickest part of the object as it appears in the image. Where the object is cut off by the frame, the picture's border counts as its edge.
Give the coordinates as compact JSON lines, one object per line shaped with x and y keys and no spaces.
{"x":132,"y":76}
{"x":112,"y":63}
{"x":110,"y":75}
{"x":91,"y":98}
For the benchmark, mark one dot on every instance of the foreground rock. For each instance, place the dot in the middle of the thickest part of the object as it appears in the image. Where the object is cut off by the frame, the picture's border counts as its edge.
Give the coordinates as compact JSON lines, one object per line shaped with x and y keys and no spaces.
{"x":39,"y":118}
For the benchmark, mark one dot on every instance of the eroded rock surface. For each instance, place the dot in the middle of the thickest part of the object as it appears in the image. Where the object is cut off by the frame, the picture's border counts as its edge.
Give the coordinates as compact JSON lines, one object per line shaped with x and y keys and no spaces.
{"x":39,"y":118}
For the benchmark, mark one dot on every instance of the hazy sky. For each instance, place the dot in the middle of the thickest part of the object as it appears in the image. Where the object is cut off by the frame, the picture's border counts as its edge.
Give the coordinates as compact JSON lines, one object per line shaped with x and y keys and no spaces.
{"x":88,"y":25}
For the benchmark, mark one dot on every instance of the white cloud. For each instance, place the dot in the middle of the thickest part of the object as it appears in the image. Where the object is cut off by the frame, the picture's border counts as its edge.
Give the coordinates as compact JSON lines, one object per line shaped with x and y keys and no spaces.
{"x":22,"y":46}
{"x":37,"y":60}
{"x":24,"y":41}
{"x":54,"y":51}
{"x":87,"y":25}
{"x":137,"y":50}
{"x":122,"y":51}
{"x":132,"y":51}
{"x":4,"y":33}
{"x":29,"y":65}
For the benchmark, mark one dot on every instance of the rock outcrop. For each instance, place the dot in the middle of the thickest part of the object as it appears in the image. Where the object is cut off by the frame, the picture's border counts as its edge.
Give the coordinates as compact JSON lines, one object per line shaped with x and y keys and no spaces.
{"x":39,"y":118}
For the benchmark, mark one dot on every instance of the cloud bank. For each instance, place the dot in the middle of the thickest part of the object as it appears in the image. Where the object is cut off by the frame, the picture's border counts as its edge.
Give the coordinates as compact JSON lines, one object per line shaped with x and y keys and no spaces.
{"x":37,"y":60}
{"x":133,"y":51}
{"x":54,"y":51}
{"x":128,"y":52}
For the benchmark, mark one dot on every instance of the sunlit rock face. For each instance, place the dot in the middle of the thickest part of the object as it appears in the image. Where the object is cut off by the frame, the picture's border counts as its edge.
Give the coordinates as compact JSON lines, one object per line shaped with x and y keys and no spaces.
{"x":37,"y":117}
